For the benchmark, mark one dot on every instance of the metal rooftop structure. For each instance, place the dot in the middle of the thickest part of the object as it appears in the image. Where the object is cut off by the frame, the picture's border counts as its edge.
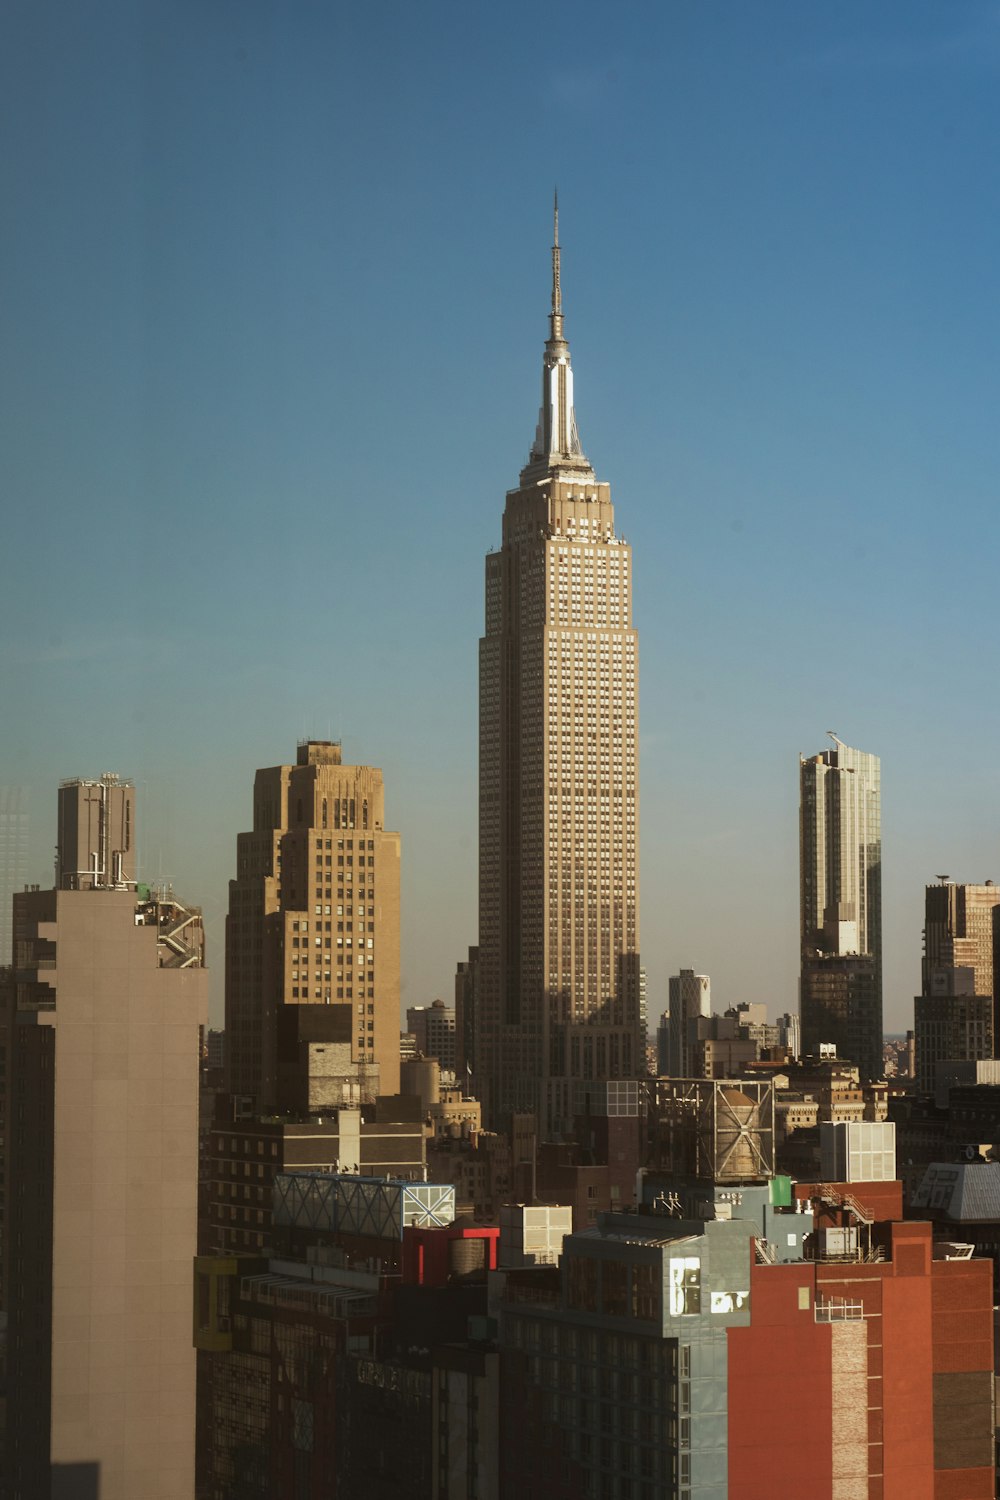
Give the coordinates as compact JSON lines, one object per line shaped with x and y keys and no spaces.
{"x":338,"y":1203}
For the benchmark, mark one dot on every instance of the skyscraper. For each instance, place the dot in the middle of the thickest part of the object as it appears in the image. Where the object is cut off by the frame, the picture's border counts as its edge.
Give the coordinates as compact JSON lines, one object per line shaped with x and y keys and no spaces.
{"x":958,"y":932}
{"x":312,"y":940}
{"x":690,"y":1000}
{"x":433,"y":1027}
{"x":558,"y":997}
{"x":99,"y":1172}
{"x":13,"y":860}
{"x":840,"y":904}
{"x":953,"y":1014}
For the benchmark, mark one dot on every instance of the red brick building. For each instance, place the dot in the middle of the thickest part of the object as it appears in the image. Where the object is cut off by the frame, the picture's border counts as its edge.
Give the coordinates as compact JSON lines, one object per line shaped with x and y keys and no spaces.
{"x":880,"y":1370}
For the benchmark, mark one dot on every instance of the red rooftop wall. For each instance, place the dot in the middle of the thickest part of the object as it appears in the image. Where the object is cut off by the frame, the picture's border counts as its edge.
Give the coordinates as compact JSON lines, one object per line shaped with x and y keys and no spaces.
{"x":780,"y":1365}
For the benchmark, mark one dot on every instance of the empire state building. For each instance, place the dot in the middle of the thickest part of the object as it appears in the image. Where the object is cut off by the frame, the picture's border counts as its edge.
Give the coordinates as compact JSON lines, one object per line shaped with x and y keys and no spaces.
{"x":558,"y":994}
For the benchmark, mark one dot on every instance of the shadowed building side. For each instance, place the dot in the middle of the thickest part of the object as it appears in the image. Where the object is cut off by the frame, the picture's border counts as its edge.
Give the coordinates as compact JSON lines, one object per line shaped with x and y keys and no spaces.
{"x":100,"y":1165}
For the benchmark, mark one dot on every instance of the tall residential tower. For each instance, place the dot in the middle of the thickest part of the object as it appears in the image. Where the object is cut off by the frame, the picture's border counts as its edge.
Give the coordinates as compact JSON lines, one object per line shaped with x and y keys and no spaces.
{"x":690,"y":1001}
{"x":558,"y":993}
{"x":840,"y":904}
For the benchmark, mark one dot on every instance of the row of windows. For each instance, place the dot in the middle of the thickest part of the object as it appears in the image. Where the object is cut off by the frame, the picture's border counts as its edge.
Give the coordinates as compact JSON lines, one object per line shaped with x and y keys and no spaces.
{"x":328,"y":942}
{"x":344,"y":992}
{"x":245,"y":1144}
{"x":344,"y":844}
{"x":361,"y":959}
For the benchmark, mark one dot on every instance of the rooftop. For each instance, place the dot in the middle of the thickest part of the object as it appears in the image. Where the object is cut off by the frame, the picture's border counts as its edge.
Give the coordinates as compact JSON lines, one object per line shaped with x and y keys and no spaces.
{"x":965,"y":1192}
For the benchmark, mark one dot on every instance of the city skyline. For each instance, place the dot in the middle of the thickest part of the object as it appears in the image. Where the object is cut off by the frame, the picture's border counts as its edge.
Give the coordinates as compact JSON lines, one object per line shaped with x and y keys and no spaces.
{"x":789,"y":339}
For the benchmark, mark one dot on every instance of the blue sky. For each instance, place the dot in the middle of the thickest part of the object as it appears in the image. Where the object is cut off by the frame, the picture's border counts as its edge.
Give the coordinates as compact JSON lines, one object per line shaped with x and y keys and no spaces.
{"x":275,"y":286}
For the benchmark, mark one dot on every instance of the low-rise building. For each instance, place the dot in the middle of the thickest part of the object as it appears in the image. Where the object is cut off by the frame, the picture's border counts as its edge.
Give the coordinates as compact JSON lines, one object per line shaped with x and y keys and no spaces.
{"x":246,"y":1156}
{"x":657,"y":1364}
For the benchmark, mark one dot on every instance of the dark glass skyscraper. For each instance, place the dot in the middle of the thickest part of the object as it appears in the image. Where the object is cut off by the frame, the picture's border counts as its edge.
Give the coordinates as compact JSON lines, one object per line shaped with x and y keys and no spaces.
{"x":840,"y":891}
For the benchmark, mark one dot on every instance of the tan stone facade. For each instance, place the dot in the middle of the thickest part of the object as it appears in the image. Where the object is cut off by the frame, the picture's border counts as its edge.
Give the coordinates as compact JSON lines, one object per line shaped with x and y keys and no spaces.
{"x":954,"y":1017}
{"x":558,"y":996}
{"x":312,"y":940}
{"x":958,"y":933}
{"x":101,"y":1164}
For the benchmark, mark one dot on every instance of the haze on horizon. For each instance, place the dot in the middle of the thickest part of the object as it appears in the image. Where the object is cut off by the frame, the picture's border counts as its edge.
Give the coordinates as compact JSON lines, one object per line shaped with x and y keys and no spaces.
{"x":270,"y":350}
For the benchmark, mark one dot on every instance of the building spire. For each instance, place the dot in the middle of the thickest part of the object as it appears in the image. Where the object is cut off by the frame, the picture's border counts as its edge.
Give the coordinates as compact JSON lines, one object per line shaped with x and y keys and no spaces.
{"x":556,"y":440}
{"x":556,"y":283}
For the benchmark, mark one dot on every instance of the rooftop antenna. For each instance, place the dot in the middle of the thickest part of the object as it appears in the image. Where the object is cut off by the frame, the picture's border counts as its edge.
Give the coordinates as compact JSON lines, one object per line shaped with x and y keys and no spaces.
{"x":943,"y":878}
{"x":556,"y":280}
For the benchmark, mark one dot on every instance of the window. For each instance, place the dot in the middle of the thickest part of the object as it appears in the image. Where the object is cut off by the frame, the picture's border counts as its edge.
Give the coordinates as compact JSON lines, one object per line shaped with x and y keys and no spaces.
{"x":685,"y":1285}
{"x":615,"y":1288}
{"x":582,"y":1283}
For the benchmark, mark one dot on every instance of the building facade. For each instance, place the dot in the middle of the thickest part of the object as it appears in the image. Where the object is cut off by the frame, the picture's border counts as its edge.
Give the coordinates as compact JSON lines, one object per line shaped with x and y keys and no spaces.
{"x":312,"y":941}
{"x":433,"y":1027}
{"x":840,"y":904}
{"x":245,"y":1157}
{"x":558,"y":995}
{"x":954,"y":1013}
{"x":466,"y":990}
{"x":675,"y":1359}
{"x":690,"y":1001}
{"x":321,"y":1361}
{"x":100,"y":1163}
{"x":958,"y":932}
{"x":13,"y":860}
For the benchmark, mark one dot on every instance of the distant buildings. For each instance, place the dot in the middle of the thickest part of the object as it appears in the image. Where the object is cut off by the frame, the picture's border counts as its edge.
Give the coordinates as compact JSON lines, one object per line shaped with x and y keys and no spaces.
{"x":954,"y":1013}
{"x":433,"y":1027}
{"x":690,"y":1000}
{"x":467,"y":980}
{"x":663,"y":1046}
{"x":558,"y":998}
{"x":215,"y":1051}
{"x":693,"y":1042}
{"x":840,"y":903}
{"x":811,"y":1094}
{"x":100,"y":1161}
{"x":312,"y":941}
{"x":13,"y":860}
{"x":790,"y":1032}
